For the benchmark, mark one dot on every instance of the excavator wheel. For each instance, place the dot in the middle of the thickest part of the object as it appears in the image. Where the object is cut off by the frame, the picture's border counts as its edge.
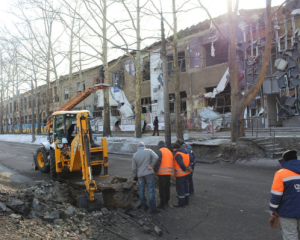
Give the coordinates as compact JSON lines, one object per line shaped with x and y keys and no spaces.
{"x":41,"y":160}
{"x":96,"y":170}
{"x":53,"y":172}
{"x":83,"y":202}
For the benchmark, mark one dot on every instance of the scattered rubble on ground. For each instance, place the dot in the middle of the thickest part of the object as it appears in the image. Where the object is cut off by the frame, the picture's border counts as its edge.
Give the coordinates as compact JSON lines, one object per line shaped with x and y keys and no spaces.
{"x":47,"y":210}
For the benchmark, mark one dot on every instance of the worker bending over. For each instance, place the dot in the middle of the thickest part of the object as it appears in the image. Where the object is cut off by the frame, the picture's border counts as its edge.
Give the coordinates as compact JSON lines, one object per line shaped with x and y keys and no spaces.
{"x":181,"y":172}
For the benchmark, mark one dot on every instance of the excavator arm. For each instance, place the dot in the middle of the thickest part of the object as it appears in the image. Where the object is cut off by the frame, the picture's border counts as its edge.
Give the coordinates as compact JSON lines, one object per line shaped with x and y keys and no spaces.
{"x":78,"y":98}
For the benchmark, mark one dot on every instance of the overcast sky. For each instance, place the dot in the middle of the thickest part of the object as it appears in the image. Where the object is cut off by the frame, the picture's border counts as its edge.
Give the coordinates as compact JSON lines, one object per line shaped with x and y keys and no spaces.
{"x":215,"y":7}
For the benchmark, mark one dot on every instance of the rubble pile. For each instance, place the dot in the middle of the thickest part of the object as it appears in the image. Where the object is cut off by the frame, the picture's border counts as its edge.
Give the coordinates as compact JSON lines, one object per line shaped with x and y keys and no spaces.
{"x":48,"y":210}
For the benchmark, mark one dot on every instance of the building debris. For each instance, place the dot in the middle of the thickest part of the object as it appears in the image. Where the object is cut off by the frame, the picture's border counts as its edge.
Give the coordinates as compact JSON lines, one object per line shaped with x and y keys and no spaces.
{"x":52,"y":213}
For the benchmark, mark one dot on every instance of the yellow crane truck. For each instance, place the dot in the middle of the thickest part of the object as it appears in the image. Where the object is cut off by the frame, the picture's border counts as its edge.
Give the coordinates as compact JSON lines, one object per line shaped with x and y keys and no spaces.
{"x":70,"y":148}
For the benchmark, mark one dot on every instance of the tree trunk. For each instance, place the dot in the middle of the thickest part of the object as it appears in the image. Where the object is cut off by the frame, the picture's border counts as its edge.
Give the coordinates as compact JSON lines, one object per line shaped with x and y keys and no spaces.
{"x":238,"y":101}
{"x":179,"y":131}
{"x":166,"y":87}
{"x":138,"y":78}
{"x":32,"y":113}
{"x":48,"y":84}
{"x":106,"y":122}
{"x":2,"y":95}
{"x":38,"y":114}
{"x":2,"y":111}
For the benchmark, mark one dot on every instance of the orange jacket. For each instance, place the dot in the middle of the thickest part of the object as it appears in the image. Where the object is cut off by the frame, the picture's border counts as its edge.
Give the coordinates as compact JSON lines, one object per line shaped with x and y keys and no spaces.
{"x":178,"y":172}
{"x":285,"y":191}
{"x":166,"y":166}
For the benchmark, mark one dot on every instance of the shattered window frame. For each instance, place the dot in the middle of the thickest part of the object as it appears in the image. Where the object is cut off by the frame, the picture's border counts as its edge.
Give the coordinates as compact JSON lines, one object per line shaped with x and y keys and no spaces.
{"x":220,"y":57}
{"x":66,"y":93}
{"x":98,"y":112}
{"x":146,"y":105}
{"x":181,"y":63}
{"x":146,"y":70}
{"x":114,"y":111}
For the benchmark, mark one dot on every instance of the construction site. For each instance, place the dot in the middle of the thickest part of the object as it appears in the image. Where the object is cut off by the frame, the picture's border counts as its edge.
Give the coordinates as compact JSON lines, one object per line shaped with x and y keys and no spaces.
{"x":63,"y":177}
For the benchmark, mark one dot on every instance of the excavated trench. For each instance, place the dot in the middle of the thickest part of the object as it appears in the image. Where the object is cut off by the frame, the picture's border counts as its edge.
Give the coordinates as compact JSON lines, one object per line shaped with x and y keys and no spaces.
{"x":120,"y":193}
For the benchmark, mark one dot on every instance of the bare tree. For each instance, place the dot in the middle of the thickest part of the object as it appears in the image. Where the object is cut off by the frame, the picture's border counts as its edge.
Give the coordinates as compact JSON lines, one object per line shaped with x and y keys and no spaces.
{"x":179,"y":131}
{"x":136,"y":25}
{"x":240,"y":101}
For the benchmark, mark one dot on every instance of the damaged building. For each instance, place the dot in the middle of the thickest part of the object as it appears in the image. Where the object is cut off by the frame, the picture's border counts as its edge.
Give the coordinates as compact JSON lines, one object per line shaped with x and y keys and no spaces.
{"x":205,"y":94}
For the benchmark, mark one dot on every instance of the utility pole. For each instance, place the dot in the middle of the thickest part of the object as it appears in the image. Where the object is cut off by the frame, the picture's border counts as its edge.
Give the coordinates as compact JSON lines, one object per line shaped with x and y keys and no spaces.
{"x":165,"y":87}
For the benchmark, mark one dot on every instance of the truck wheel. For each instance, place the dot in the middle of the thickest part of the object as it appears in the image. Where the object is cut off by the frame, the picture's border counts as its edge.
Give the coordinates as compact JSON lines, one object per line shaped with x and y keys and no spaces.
{"x":41,"y":160}
{"x":96,"y":169}
{"x":53,"y":172}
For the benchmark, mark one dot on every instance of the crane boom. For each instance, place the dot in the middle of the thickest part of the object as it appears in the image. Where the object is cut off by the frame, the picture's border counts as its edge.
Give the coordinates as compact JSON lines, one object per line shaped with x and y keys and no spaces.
{"x":78,"y":98}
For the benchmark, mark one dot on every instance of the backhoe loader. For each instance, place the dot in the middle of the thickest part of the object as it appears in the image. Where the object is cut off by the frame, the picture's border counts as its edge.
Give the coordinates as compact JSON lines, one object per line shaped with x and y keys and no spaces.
{"x":71,"y":148}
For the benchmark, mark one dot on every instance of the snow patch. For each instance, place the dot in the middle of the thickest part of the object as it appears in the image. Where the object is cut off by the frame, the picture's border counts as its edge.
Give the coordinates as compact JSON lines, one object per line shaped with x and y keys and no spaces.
{"x":23,"y":138}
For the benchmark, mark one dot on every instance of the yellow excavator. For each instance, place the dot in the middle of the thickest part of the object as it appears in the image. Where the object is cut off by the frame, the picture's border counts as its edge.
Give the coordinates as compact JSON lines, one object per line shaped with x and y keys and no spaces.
{"x":71,"y":147}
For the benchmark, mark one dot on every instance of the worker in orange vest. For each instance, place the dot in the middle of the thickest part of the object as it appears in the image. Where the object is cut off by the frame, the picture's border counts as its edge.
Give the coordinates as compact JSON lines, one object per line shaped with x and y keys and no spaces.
{"x":164,"y":170}
{"x":181,"y":171}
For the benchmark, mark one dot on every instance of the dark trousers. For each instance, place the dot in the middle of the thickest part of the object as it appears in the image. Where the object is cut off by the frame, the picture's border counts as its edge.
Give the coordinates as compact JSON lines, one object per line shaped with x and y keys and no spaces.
{"x":190,"y":179}
{"x":148,"y":180}
{"x":164,"y":188}
{"x":182,"y":189}
{"x":155,"y":130}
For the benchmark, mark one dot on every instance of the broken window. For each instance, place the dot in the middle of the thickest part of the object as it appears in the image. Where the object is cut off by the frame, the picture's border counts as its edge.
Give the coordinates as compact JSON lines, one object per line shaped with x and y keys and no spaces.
{"x":79,"y":87}
{"x":216,"y":53}
{"x":29,"y":102}
{"x":221,"y":103}
{"x":15,"y":106}
{"x":97,"y":112}
{"x":128,"y":65}
{"x":181,"y":63}
{"x":195,"y":52}
{"x":146,"y":71}
{"x":50,"y":94}
{"x":118,"y":79}
{"x":172,"y":101}
{"x":146,"y":105}
{"x":114,"y":111}
{"x":55,"y":95}
{"x":66,"y":93}
{"x":25,"y":103}
{"x":182,"y":102}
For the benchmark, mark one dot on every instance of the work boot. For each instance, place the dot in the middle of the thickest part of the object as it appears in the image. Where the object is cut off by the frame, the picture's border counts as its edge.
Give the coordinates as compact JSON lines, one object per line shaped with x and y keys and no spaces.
{"x":145,"y":208}
{"x":178,"y":206}
{"x":153,"y":211}
{"x":161,"y":206}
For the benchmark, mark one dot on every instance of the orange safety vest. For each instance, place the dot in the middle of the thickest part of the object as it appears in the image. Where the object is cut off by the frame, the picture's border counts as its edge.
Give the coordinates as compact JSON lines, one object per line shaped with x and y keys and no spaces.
{"x":166,"y":166}
{"x":186,"y":161}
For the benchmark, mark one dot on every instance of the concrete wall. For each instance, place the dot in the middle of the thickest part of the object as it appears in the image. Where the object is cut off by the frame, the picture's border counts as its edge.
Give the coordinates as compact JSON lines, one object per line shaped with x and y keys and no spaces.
{"x":289,"y":142}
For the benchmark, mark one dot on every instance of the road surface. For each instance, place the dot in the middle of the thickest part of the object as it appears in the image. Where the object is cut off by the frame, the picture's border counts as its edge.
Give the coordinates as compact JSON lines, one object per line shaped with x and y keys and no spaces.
{"x":230,"y":201}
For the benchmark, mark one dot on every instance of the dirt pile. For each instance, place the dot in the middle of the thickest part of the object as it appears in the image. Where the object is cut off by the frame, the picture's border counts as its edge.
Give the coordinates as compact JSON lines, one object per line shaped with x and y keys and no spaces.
{"x":48,"y":210}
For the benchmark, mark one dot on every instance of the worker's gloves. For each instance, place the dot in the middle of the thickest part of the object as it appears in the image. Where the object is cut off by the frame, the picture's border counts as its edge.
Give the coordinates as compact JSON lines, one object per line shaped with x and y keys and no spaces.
{"x":189,"y":169}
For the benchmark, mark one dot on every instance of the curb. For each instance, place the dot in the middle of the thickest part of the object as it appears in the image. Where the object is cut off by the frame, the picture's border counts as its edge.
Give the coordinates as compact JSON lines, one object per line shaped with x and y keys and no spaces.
{"x":119,"y":153}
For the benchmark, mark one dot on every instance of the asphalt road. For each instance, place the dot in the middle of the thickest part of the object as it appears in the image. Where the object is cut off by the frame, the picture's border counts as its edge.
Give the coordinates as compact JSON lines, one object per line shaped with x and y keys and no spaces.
{"x":230,"y":201}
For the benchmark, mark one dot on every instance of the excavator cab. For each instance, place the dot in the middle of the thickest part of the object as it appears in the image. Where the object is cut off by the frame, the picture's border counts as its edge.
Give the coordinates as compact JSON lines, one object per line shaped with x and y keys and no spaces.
{"x":64,"y":128}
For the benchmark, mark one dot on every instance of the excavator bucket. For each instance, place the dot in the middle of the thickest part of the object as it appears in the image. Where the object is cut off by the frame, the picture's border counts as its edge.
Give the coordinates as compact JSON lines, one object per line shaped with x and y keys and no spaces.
{"x":97,"y":204}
